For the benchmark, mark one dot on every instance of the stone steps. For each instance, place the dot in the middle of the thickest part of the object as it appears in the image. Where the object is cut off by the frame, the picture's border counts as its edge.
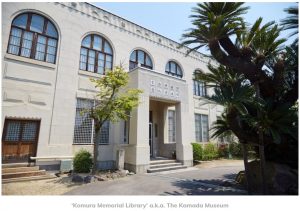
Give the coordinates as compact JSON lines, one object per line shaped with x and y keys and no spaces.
{"x":23,"y":174}
{"x":31,"y":178}
{"x":17,"y":172}
{"x":161,"y":165}
{"x":164,"y":165}
{"x":19,"y":169}
{"x":14,"y":165}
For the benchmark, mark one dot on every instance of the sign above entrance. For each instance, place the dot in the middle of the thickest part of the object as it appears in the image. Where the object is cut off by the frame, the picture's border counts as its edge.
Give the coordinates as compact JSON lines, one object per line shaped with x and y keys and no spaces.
{"x":164,"y":89}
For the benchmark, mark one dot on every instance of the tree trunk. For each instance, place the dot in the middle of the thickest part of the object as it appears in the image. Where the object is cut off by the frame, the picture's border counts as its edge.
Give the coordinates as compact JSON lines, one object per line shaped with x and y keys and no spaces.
{"x":262,"y":164}
{"x":96,"y":151}
{"x":247,"y":178}
{"x":261,"y":148}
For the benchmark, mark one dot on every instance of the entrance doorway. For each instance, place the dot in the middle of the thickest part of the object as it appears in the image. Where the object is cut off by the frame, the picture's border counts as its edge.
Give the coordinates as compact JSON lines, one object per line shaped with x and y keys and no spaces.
{"x":19,"y":139}
{"x":151,"y":138}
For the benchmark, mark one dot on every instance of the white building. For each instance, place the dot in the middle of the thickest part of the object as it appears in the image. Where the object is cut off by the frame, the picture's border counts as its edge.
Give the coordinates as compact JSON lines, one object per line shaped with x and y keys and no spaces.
{"x":49,"y":52}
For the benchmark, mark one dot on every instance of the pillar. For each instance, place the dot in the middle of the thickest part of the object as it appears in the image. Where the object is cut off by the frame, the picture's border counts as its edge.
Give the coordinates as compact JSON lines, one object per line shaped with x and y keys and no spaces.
{"x":184,"y":151}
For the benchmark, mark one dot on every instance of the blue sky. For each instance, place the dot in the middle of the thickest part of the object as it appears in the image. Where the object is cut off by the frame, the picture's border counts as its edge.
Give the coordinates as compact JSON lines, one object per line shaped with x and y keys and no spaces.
{"x":172,"y":19}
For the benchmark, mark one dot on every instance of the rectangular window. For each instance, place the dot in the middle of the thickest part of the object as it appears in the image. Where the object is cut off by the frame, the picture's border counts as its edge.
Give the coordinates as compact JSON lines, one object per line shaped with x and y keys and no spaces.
{"x":201,"y":128}
{"x":83,"y":58}
{"x":199,"y":88}
{"x":37,"y":23}
{"x":91,"y":61}
{"x":172,"y":126}
{"x":126,"y":131}
{"x":50,"y":56}
{"x":26,"y":44}
{"x":15,"y":41}
{"x":21,"y":130}
{"x":84,"y":125}
{"x":40,"y":48}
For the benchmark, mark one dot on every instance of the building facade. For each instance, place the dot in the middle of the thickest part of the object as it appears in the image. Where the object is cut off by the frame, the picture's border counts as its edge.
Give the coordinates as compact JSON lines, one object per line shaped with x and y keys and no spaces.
{"x":49,"y":53}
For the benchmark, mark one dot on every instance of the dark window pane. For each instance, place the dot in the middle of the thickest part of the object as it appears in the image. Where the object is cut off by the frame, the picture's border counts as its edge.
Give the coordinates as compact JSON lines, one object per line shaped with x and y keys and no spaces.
{"x":100,"y":70}
{"x":172,"y":126}
{"x":133,"y":56}
{"x":148,"y":61}
{"x":15,"y":40}
{"x":108,"y":58}
{"x":26,"y":44}
{"x":104,"y":134}
{"x":21,"y":21}
{"x":132,"y":65}
{"x":51,"y":50}
{"x":51,"y":31}
{"x":108,"y":65}
{"x":37,"y":23}
{"x":50,"y":58}
{"x":29,"y":131}
{"x":91,"y":61}
{"x":107,"y":48}
{"x":97,"y":43}
{"x":52,"y":42}
{"x":13,"y":131}
{"x":141,"y":57}
{"x":101,"y":56}
{"x":87,"y":41}
{"x":179,"y":72}
{"x":40,"y":48}
{"x":173,"y":67}
{"x":83,"y":51}
{"x":83,"y":122}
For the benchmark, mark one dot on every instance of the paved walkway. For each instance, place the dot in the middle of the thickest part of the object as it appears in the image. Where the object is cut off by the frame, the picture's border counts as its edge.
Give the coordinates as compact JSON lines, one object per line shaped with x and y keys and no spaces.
{"x":192,"y":181}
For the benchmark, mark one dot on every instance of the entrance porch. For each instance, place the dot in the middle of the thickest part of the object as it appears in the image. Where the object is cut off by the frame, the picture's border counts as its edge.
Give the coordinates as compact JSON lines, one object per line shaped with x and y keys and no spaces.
{"x":159,"y":126}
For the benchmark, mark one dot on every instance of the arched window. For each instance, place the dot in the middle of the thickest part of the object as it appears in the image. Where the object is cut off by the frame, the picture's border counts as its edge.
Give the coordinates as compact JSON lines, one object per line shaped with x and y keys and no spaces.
{"x":172,"y":68}
{"x":96,"y":54}
{"x":199,"y":87}
{"x":33,"y":36}
{"x":140,"y":57}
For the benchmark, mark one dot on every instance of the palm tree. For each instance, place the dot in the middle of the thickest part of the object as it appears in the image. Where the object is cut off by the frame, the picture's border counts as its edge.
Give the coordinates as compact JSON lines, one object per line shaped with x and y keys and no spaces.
{"x":252,"y":70}
{"x":291,"y":22}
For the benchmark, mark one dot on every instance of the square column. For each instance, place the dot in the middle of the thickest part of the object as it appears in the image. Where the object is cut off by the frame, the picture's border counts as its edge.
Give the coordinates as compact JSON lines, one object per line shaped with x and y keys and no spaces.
{"x":184,"y":150}
{"x":137,"y":154}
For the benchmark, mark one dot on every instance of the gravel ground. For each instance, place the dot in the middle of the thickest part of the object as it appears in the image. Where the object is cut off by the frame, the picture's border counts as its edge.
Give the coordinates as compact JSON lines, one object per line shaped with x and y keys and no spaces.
{"x":56,"y":186}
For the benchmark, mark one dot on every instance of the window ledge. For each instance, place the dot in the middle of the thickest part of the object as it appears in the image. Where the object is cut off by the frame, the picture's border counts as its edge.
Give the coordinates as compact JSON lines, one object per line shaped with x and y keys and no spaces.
{"x":87,"y":144}
{"x":91,"y":74}
{"x":30,"y":61}
{"x":199,"y":97}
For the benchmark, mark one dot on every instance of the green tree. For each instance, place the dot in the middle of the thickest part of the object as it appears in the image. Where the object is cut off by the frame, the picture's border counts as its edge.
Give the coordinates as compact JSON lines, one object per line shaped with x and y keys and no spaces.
{"x":291,"y":22}
{"x":256,"y":81}
{"x":114,"y":102}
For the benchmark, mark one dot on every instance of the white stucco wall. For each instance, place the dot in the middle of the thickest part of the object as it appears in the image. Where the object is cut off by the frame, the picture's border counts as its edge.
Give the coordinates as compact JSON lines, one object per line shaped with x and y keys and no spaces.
{"x":34,"y":89}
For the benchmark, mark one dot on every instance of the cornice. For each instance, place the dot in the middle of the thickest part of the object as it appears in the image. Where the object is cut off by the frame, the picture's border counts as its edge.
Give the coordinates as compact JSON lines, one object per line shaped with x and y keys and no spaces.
{"x":101,"y":15}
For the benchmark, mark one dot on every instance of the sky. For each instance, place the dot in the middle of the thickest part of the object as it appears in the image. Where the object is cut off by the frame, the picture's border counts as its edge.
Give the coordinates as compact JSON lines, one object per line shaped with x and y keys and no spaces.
{"x":172,"y":19}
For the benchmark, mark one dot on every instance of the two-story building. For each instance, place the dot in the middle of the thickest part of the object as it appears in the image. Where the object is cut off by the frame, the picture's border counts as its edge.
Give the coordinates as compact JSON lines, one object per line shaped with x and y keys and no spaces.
{"x":49,"y":53}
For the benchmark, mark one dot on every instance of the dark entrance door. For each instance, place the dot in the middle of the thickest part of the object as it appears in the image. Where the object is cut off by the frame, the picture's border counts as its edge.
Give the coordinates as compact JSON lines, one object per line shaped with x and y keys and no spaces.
{"x":19,"y":139}
{"x":151,"y":138}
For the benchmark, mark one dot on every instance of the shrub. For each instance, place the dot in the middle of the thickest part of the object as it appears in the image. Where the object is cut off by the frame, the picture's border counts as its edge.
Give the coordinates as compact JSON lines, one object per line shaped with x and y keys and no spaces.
{"x":223,"y":151}
{"x":236,"y":150}
{"x":210,"y":152}
{"x":82,"y":161}
{"x":197,"y":151}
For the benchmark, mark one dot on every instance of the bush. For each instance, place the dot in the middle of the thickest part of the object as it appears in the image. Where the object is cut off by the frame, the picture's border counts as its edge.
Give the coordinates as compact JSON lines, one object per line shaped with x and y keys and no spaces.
{"x":236,"y":150}
{"x":197,"y":151}
{"x":223,"y":151}
{"x":82,"y":161}
{"x":210,"y":152}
